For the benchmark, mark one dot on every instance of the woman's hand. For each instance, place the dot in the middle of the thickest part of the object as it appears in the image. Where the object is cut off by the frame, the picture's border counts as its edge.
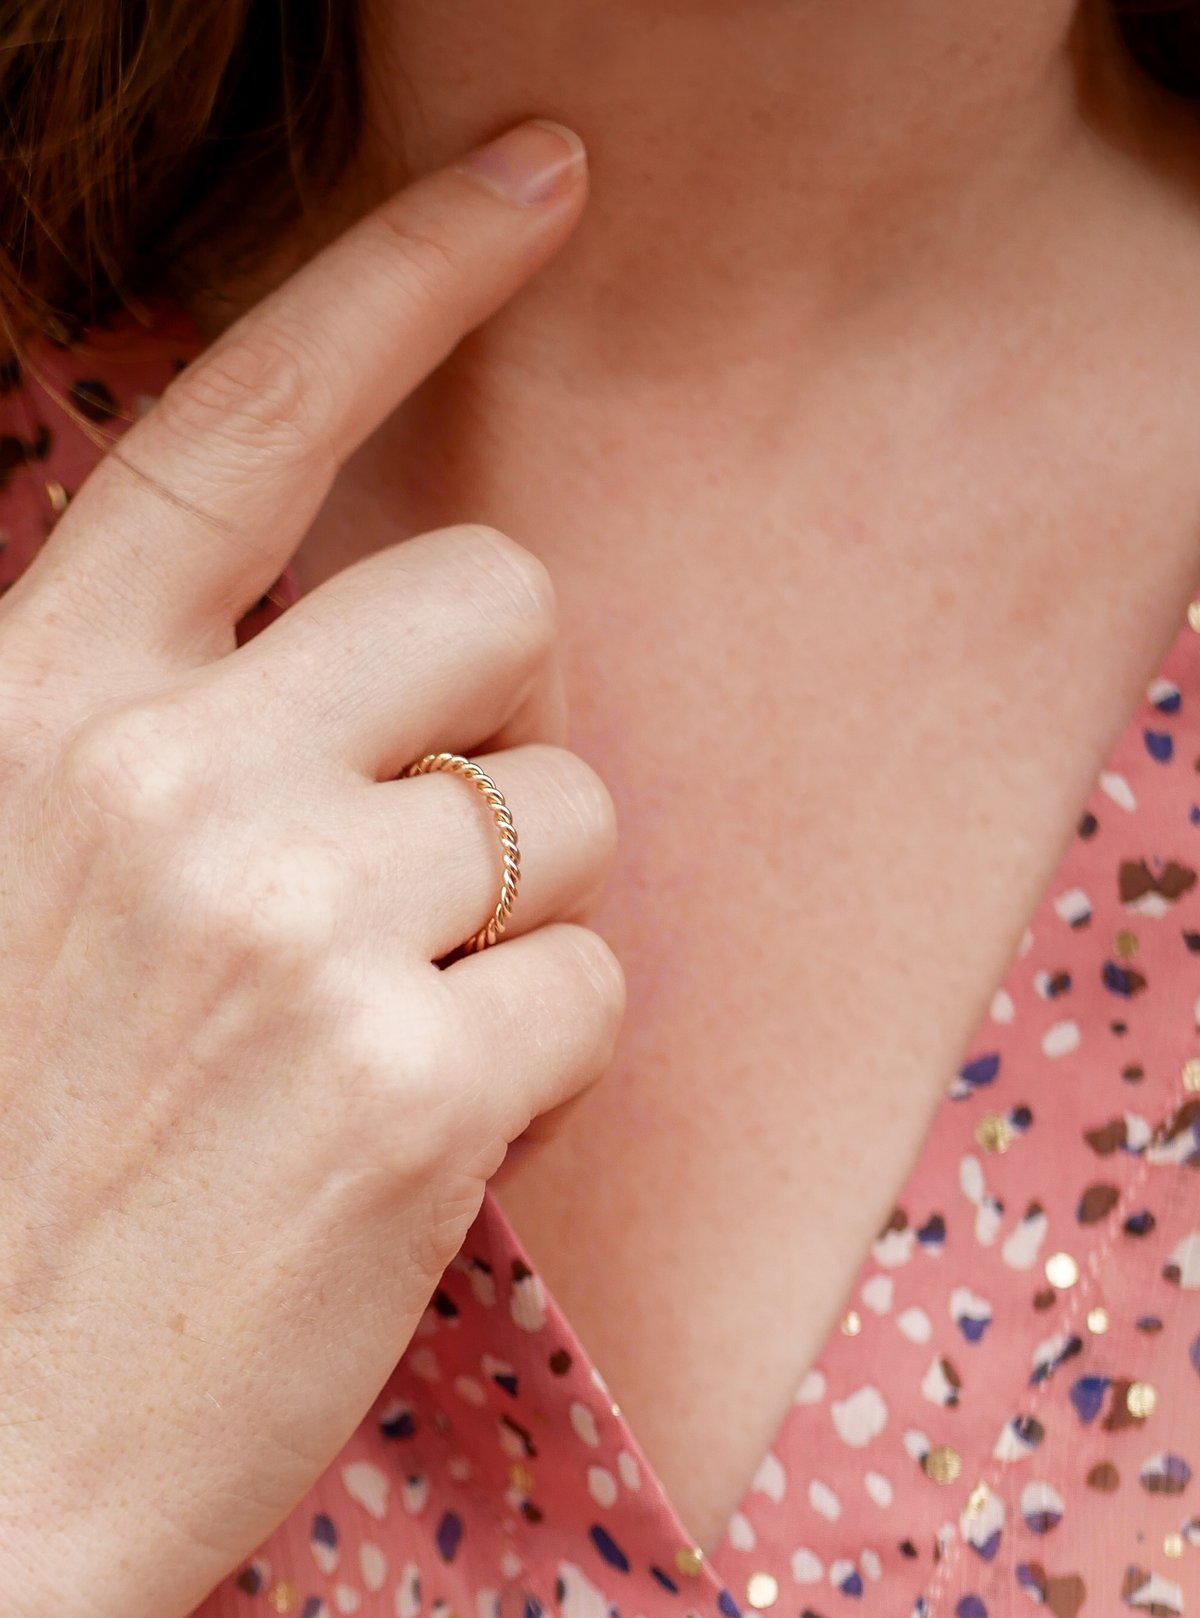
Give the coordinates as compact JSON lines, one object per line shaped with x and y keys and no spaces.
{"x":246,"y":1120}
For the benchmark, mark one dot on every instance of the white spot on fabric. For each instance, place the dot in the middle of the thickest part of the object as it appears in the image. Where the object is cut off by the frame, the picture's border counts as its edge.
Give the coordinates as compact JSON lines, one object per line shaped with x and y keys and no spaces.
{"x":471,"y":1391}
{"x":602,"y":1486}
{"x":770,"y":1479}
{"x":877,"y":1293}
{"x":1061,"y":1038}
{"x":859,"y":1418}
{"x":584,"y":1423}
{"x":807,"y":1566}
{"x":373,"y":1565}
{"x":878,"y":1488}
{"x":370,"y":1487}
{"x":1118,"y":789}
{"x":812,"y":1390}
{"x":1002,"y":1008}
{"x":628,"y":1470}
{"x":741,"y":1532}
{"x":527,"y":1304}
{"x":823,"y":1500}
{"x":422,"y":1362}
{"x":915,"y":1324}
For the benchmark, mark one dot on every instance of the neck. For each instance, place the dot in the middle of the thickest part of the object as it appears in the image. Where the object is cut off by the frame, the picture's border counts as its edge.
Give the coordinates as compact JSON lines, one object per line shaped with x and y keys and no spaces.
{"x":758,"y":171}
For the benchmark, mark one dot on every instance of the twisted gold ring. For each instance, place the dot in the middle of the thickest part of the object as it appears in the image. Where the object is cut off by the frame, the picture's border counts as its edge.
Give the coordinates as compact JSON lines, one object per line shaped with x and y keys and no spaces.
{"x":457,"y":765}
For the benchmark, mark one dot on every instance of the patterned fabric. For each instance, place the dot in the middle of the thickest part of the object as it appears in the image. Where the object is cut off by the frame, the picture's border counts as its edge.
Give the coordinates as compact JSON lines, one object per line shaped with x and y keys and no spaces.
{"x":1009,"y":1413}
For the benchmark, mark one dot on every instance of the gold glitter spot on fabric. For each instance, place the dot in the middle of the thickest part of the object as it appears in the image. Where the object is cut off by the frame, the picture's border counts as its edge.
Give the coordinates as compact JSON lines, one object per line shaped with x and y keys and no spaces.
{"x":1141,"y":1400}
{"x":851,"y":1323}
{"x":942,"y":1464}
{"x":994,"y":1132}
{"x":688,"y":1559}
{"x":57,"y":497}
{"x":615,"y":1408}
{"x":1061,"y":1270}
{"x":1125,"y":944}
{"x":1190,"y":1073}
{"x":521,"y":1478}
{"x":977,"y":1499}
{"x":762,"y":1590}
{"x":1193,"y":615}
{"x":1173,"y":1545}
{"x":1098,"y":1321}
{"x":282,"y":1596}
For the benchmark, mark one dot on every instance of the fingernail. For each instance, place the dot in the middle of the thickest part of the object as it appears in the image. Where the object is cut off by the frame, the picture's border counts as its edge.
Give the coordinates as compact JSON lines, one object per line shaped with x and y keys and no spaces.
{"x":535,"y":162}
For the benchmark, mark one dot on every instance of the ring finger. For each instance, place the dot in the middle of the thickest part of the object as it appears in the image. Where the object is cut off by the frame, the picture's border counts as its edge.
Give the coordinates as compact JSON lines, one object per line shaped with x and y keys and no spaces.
{"x":436,"y":839}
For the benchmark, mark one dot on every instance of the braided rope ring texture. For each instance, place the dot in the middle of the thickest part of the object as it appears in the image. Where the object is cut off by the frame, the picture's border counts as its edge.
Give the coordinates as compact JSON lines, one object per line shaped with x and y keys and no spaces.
{"x":455,"y":764}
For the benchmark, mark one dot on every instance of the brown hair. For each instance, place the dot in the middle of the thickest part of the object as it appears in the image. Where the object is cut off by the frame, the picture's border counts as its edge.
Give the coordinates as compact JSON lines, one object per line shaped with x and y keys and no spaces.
{"x":136,"y":131}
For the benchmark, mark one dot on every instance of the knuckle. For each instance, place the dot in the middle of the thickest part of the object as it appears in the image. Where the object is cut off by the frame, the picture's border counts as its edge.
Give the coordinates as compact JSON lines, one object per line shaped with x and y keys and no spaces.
{"x":285,"y":908}
{"x":143,"y":764}
{"x":600,"y":969}
{"x":428,"y":266}
{"x":580,"y":797}
{"x":254,"y":391}
{"x":507,"y":575}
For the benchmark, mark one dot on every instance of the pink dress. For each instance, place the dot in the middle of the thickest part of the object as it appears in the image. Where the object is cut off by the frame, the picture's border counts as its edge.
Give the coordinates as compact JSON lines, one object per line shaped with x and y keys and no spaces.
{"x":1008,"y":1414}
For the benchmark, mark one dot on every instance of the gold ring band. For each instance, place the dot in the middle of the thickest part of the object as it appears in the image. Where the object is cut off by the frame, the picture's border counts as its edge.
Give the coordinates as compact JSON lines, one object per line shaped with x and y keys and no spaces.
{"x":457,"y":765}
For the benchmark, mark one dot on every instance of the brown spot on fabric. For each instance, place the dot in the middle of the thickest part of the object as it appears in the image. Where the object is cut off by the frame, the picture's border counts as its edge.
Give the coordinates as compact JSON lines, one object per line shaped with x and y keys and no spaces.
{"x":1109,"y":1138}
{"x":560,"y":1362}
{"x":1065,"y":1595}
{"x":1119,"y":1415}
{"x":1135,"y":880}
{"x":1104,"y":1476}
{"x":521,"y":1433}
{"x":530,"y":1512}
{"x":520,"y":1271}
{"x":1134,"y":1073}
{"x":897,"y":1221}
{"x":93,"y":399}
{"x":1180,"y":1123}
{"x":1045,"y":1299}
{"x":10,"y":376}
{"x":1097,"y":1202}
{"x":1088,"y":825}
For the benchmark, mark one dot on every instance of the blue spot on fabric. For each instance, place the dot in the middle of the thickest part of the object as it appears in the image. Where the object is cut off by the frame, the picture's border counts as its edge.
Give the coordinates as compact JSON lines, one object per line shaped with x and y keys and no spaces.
{"x":665,"y":1579}
{"x":1194,"y":814}
{"x":1087,"y":1395}
{"x":728,"y":1605}
{"x":970,"y":1607}
{"x":1159,"y":745}
{"x":401,"y":1425}
{"x":1139,"y":1224}
{"x":973,"y":1328}
{"x":933,"y":1232}
{"x":323,"y":1531}
{"x":449,"y":1535}
{"x":608,"y":1547}
{"x":533,"y":1607}
{"x":1120,"y":980}
{"x":313,"y":1608}
{"x":975,"y":1075}
{"x":1168,"y":699}
{"x":1021,"y":1117}
{"x":507,"y":1382}
{"x":1195,"y":1355}
{"x":987,"y":1548}
{"x":852,"y":1584}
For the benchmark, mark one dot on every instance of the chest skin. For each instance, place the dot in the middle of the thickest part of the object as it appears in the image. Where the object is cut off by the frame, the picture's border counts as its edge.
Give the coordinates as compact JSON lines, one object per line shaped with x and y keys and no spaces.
{"x":848,"y":641}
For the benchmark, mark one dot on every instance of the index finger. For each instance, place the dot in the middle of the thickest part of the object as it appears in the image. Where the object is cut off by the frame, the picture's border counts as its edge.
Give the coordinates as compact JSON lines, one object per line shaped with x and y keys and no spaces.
{"x":196,"y":511}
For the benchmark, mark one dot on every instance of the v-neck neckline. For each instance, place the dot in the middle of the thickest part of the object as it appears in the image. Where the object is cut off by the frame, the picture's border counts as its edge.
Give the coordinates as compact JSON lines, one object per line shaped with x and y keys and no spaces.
{"x":718,"y":1573}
